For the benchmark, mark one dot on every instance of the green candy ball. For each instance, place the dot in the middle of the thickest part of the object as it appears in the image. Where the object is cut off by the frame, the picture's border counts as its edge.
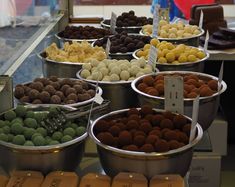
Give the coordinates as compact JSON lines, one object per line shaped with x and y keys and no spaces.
{"x":31,"y":123}
{"x":20,"y":111}
{"x":17,"y":120}
{"x":17,"y":128}
{"x":57,"y":135}
{"x":28,"y":133}
{"x":67,"y":124}
{"x":28,"y":143}
{"x":1,"y":130}
{"x":6,"y":129}
{"x":69,"y":131}
{"x":74,"y":126}
{"x":80,"y":131}
{"x":10,"y":137}
{"x":48,"y":139}
{"x":39,"y":141}
{"x":18,"y":140}
{"x":39,"y":116}
{"x":66,"y":138}
{"x":7,"y":123}
{"x":10,"y":115}
{"x":54,"y":142}
{"x":29,"y":114}
{"x":3,"y":137}
{"x":2,"y":123}
{"x":42,"y":131}
{"x":35,"y":135}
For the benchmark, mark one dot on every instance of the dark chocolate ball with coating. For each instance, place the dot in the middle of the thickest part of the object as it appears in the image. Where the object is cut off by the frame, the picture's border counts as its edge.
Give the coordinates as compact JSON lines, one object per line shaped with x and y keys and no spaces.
{"x":70,"y":91}
{"x":33,"y":94}
{"x":37,"y":101}
{"x":64,"y":88}
{"x":55,"y":99}
{"x":124,"y":138}
{"x":45,"y":97}
{"x":19,"y":92}
{"x":60,"y":94}
{"x":50,"y":89}
{"x":37,"y":86}
{"x":72,"y":96}
{"x":78,"y":88}
{"x":148,"y":148}
{"x":25,"y":99}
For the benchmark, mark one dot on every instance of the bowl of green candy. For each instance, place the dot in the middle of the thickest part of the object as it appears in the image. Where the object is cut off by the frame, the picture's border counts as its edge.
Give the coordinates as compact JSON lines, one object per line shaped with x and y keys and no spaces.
{"x":29,"y":142}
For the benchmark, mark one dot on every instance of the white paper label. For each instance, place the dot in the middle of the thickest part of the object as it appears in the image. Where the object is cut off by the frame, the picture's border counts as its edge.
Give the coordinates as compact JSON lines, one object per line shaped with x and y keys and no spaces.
{"x":107,"y":49}
{"x":201,"y":20}
{"x":174,"y":94}
{"x":155,"y":20}
{"x":221,"y":74}
{"x":194,"y":119}
{"x":206,"y":41}
{"x":113,"y":22}
{"x":152,"y":57}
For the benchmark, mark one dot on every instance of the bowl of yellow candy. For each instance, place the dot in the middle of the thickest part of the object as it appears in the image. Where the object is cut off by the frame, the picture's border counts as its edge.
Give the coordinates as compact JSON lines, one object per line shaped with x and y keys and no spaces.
{"x":172,"y":57}
{"x":67,"y":61}
{"x":177,"y":33}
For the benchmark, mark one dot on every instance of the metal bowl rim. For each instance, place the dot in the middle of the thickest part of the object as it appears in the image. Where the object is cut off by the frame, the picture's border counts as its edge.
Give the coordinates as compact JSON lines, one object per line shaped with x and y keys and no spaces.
{"x":175,"y":39}
{"x":224,"y":85}
{"x":108,"y":26}
{"x":180,"y":64}
{"x":143,"y":154}
{"x":100,"y":91}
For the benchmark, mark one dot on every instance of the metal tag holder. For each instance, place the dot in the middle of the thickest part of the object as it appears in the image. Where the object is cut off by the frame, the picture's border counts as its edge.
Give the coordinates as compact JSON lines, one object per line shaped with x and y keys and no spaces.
{"x":6,"y":93}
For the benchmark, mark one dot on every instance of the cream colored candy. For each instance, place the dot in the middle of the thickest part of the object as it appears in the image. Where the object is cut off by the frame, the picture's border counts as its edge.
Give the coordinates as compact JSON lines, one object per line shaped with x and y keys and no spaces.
{"x":85,"y":73}
{"x":114,"y":77}
{"x":125,"y":75}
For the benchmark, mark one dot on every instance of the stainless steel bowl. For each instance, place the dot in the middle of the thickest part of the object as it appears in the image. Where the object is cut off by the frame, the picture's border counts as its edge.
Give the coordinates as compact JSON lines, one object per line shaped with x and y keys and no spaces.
{"x":120,"y":94}
{"x":59,"y":69}
{"x":197,"y":66}
{"x":115,"y":160}
{"x":63,"y":40}
{"x":131,"y":29}
{"x":65,"y":156}
{"x":99,"y":91}
{"x":192,"y":41}
{"x":208,"y":106}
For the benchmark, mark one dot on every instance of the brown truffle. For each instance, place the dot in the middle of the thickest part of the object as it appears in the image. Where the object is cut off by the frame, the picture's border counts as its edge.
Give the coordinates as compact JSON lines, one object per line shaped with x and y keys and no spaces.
{"x":179,"y":121}
{"x":101,"y":126}
{"x":37,"y":86}
{"x":146,"y":110}
{"x":186,"y":129}
{"x":162,"y":146}
{"x":33,"y":94}
{"x":83,"y":97}
{"x":132,"y":148}
{"x":182,"y":137}
{"x":53,"y":78}
{"x":148,"y":148}
{"x":153,"y":92}
{"x":64,"y":88}
{"x":156,"y":133}
{"x":69,"y":102}
{"x":139,"y":140}
{"x":79,"y":88}
{"x":45,"y":97}
{"x":156,"y":120}
{"x":70,"y":91}
{"x":145,"y":127}
{"x":91,"y":92}
{"x":50,"y":89}
{"x":106,"y":138}
{"x":213,"y":84}
{"x":170,"y":135}
{"x":124,"y":138}
{"x":206,"y":91}
{"x":114,"y":130}
{"x":148,"y":80}
{"x":149,"y":117}
{"x":193,"y":82}
{"x":132,"y":124}
{"x":187,"y":88}
{"x":66,"y":81}
{"x":25,"y":99}
{"x":132,"y":111}
{"x":60,"y":94}
{"x":72,"y":96}
{"x":151,"y":139}
{"x":134,"y":117}
{"x":173,"y":144}
{"x":166,"y":123}
{"x":19,"y":92}
{"x":168,"y":115}
{"x":121,"y":126}
{"x":142,"y":87}
{"x":55,"y":99}
{"x":160,"y":89}
{"x":192,"y":95}
{"x":56,"y":85}
{"x":37,"y":101}
{"x":138,"y":132}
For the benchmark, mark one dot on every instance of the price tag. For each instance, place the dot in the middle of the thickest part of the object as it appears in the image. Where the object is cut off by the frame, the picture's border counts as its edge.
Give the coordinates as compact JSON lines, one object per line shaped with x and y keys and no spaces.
{"x":194,"y":119}
{"x":221,"y":73}
{"x":113,"y":22}
{"x":206,"y":41}
{"x":174,"y":94}
{"x":201,"y":20}
{"x":152,"y":57}
{"x":107,"y":49}
{"x":155,"y":20}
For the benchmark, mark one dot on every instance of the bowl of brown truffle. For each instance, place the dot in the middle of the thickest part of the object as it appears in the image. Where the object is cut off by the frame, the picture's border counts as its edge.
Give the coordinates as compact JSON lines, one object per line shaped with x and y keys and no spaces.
{"x":150,"y":91}
{"x":128,"y":22}
{"x":27,"y":144}
{"x":144,"y":140}
{"x":56,"y":91}
{"x":81,"y":33}
{"x":123,"y":45}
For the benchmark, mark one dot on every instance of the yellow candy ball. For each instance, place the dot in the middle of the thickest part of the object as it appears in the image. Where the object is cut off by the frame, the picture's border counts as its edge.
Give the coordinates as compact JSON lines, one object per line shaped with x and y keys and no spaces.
{"x":154,"y":42}
{"x":192,"y":58}
{"x":200,"y":55}
{"x":182,"y":58}
{"x":170,"y":57}
{"x":140,"y":53}
{"x":162,"y":60}
{"x":147,"y":46}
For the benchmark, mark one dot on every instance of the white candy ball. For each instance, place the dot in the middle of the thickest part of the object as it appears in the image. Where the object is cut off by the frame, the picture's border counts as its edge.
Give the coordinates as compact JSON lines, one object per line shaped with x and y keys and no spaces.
{"x":131,"y":79}
{"x":139,"y":74}
{"x":114,"y":77}
{"x":94,"y":69}
{"x":106,"y":78}
{"x":86,"y":66}
{"x":147,"y":70}
{"x":134,"y":70}
{"x":97,"y":76}
{"x":101,"y":64}
{"x":124,"y":67}
{"x":124,"y":75}
{"x":94,"y":62}
{"x":89,"y":77}
{"x":115,"y":70}
{"x":104,"y":71}
{"x":85,"y":73}
{"x":142,"y":62}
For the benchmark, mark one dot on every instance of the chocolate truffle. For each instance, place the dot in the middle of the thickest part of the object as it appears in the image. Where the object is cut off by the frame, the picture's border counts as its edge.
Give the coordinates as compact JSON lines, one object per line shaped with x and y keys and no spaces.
{"x":192,"y":95}
{"x":206,"y":91}
{"x":148,"y":80}
{"x":139,"y":140}
{"x":155,"y":132}
{"x":124,"y":138}
{"x":19,"y":92}
{"x":70,"y":91}
{"x":56,"y":85}
{"x":114,"y":130}
{"x":50,"y":89}
{"x":148,"y":148}
{"x":151,"y":139}
{"x":186,"y":129}
{"x":33,"y":94}
{"x":138,"y":132}
{"x":182,"y":137}
{"x":72,"y":96}
{"x":166,"y":123}
{"x":106,"y":138}
{"x":142,"y":87}
{"x":162,"y":146}
{"x":78,"y":88}
{"x":170,"y":135}
{"x":160,"y":89}
{"x":173,"y":144}
{"x":37,"y":101}
{"x":156,"y":120}
{"x":132,"y":111}
{"x":213,"y":84}
{"x":132,"y":148}
{"x":153,"y":92}
{"x":60,"y":94}
{"x":132,"y":124}
{"x":134,"y":117}
{"x":145,"y":127}
{"x":146,"y":110}
{"x":91,"y":92}
{"x":25,"y":99}
{"x":64,"y":88}
{"x":121,"y":126}
{"x":179,"y":121}
{"x":44,"y":96}
{"x":55,"y":99}
{"x":53,"y":78}
{"x":101,"y":126}
{"x":168,"y":115}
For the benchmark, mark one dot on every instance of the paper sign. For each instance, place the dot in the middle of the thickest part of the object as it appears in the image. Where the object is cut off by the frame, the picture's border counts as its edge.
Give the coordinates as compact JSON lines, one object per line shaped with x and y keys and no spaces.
{"x":155,"y":20}
{"x":221,"y":73}
{"x":201,"y":20}
{"x":107,"y":49}
{"x":206,"y":41}
{"x":152,"y":57}
{"x":174,"y":94}
{"x":113,"y":22}
{"x":194,"y":119}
